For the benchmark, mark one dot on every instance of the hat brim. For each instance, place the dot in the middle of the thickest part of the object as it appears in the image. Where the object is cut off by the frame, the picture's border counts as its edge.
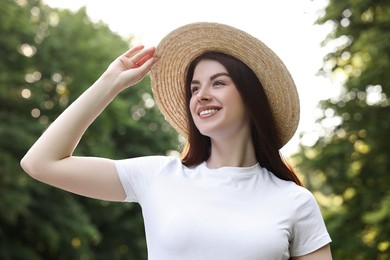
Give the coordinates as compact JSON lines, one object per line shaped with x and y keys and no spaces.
{"x":180,"y":47}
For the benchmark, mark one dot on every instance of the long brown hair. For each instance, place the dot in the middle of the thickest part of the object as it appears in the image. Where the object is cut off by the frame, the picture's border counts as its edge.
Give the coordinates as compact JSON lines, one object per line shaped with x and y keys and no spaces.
{"x":264,"y":133}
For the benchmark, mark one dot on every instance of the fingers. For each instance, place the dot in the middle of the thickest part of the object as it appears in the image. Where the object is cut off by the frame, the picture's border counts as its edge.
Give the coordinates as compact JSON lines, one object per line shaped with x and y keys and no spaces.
{"x":132,"y":51}
{"x":137,"y":53}
{"x":141,"y":57}
{"x":144,"y":68}
{"x":133,"y":76}
{"x":136,"y":56}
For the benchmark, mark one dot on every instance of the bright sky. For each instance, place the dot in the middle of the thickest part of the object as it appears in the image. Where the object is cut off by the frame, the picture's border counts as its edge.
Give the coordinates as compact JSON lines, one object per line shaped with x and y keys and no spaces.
{"x":285,"y":26}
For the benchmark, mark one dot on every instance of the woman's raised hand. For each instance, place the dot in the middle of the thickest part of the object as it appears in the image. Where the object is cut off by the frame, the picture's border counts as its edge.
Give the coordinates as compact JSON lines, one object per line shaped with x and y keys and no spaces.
{"x":129,"y":68}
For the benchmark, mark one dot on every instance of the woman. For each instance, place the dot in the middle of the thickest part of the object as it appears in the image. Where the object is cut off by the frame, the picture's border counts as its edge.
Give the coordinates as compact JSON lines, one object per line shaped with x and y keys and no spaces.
{"x":231,"y":196}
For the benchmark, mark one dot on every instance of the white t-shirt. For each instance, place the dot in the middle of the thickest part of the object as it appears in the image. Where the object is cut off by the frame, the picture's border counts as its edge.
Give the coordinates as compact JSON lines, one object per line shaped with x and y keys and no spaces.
{"x":230,"y":213}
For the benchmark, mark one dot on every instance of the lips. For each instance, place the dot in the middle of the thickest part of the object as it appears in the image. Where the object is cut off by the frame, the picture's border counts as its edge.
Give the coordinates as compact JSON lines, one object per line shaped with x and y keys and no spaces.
{"x":207,"y":111}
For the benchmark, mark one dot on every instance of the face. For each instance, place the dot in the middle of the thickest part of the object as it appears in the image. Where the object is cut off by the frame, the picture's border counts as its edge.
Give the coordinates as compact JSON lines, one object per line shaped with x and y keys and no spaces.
{"x":216,"y":105}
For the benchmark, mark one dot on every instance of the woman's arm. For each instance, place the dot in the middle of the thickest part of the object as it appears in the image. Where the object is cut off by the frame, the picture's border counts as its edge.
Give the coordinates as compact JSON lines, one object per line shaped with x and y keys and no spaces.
{"x":323,"y":253}
{"x":50,"y":159}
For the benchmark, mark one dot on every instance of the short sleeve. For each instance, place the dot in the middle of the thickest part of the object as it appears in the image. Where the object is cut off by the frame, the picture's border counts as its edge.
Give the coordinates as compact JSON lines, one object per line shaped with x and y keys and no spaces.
{"x":136,"y":174}
{"x":309,"y":230}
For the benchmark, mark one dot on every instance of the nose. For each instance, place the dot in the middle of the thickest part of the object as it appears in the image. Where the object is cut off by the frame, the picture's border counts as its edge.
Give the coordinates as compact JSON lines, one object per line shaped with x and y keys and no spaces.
{"x":203,"y":95}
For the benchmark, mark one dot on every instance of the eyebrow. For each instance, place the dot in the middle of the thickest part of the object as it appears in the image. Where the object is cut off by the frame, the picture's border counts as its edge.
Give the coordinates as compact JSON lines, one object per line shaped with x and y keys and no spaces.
{"x":212,"y":77}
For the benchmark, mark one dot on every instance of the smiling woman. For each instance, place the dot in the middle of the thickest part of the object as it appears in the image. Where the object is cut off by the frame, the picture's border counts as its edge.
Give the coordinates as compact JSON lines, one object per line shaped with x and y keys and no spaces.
{"x":230,"y":196}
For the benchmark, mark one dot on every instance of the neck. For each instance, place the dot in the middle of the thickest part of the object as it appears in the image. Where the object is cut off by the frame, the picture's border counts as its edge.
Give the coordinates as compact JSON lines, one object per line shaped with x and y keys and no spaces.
{"x":234,"y":153}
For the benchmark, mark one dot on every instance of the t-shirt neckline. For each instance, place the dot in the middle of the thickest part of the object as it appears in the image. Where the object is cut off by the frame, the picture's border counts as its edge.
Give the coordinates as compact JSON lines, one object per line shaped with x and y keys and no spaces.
{"x":231,"y":170}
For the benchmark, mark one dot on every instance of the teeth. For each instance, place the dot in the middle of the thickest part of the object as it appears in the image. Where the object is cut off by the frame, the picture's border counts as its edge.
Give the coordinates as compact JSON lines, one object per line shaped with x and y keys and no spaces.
{"x":208,"y":111}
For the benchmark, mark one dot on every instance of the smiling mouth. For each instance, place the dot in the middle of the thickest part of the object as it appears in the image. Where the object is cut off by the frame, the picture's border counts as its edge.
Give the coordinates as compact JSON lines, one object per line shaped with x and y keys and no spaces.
{"x":208,"y":112}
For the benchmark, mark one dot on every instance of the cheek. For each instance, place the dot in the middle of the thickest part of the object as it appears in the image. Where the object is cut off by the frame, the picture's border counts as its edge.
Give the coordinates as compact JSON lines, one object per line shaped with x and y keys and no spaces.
{"x":192,"y":106}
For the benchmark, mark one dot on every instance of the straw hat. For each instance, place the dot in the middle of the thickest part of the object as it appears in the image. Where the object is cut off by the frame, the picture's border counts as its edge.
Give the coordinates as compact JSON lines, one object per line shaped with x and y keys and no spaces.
{"x":181,"y":46}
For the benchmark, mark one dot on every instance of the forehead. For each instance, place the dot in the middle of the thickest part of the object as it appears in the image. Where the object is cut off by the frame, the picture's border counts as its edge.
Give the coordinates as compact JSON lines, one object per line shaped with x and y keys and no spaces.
{"x":208,"y":67}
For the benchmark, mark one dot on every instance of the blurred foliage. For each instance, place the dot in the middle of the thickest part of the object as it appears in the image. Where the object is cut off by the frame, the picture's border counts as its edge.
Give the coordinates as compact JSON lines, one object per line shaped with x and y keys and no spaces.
{"x":48,"y":58}
{"x":348,"y":167}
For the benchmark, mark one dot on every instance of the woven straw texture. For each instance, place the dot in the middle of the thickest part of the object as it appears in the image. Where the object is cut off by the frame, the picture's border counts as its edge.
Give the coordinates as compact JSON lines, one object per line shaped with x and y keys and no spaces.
{"x":181,"y":46}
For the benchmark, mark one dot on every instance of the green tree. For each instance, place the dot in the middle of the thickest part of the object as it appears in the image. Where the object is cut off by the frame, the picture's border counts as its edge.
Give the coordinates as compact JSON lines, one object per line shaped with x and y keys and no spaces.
{"x":348,"y":167}
{"x":49,"y":57}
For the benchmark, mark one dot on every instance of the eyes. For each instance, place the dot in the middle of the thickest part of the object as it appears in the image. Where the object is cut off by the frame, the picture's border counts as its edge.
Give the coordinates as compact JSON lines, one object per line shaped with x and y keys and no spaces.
{"x":195,"y":87}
